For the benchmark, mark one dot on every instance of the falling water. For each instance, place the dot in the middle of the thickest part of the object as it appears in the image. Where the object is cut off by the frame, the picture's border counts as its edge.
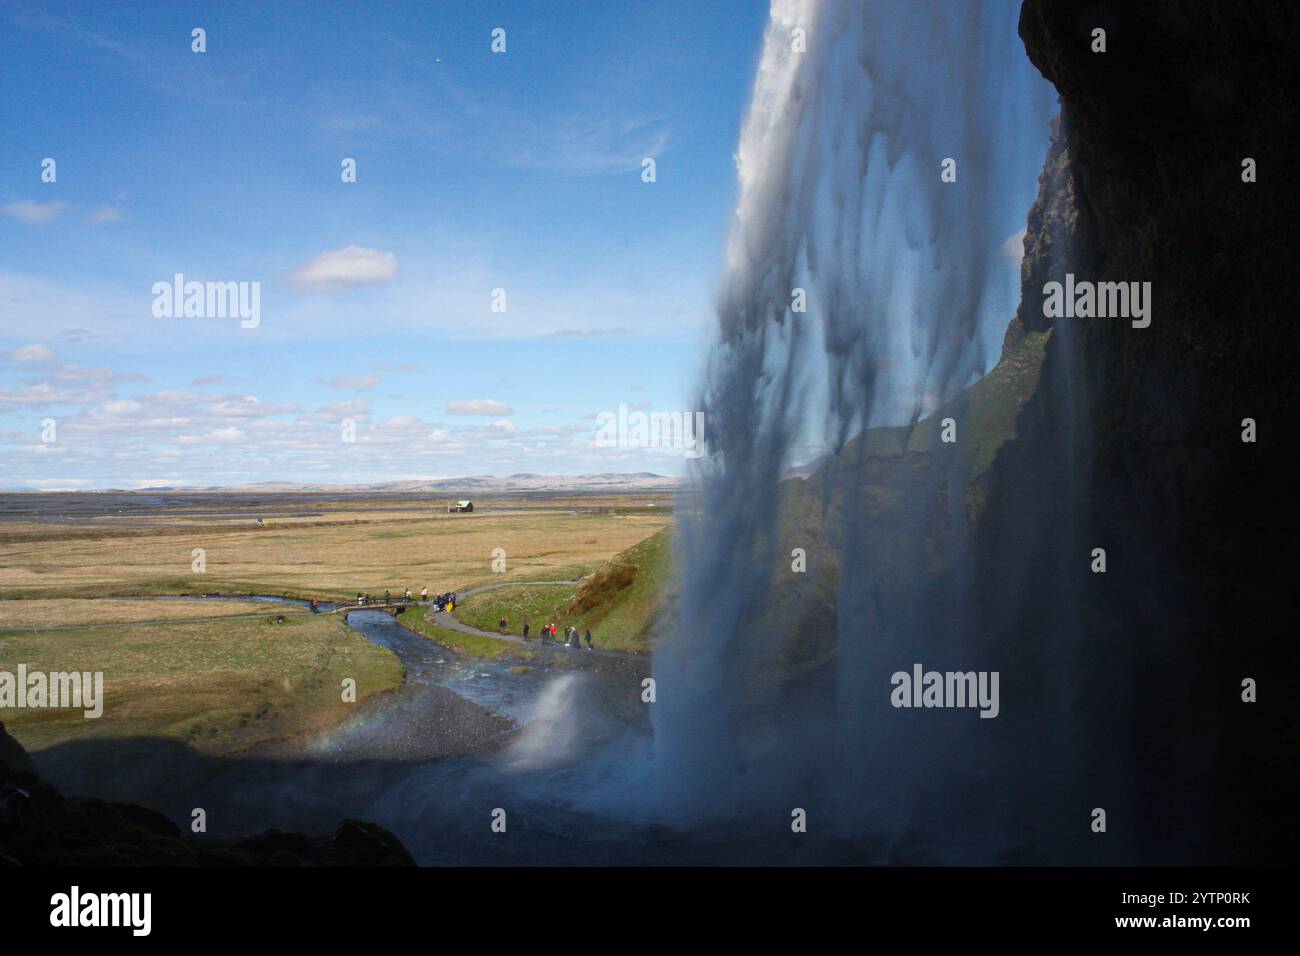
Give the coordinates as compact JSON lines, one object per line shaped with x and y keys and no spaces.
{"x":908,"y":292}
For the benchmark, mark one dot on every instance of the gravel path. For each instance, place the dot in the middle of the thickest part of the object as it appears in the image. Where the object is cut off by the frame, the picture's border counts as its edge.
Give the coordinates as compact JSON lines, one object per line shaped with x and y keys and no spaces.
{"x":444,"y":619}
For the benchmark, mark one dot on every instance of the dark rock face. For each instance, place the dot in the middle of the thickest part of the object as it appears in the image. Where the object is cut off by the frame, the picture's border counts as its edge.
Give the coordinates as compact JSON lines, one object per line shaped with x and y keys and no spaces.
{"x":1156,"y":129}
{"x":41,"y":827}
{"x":1133,"y":441}
{"x":12,"y":752}
{"x":1049,"y":228}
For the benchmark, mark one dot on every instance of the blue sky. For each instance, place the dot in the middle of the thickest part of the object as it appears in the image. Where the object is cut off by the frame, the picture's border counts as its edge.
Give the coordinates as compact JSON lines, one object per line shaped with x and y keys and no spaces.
{"x":475,"y":171}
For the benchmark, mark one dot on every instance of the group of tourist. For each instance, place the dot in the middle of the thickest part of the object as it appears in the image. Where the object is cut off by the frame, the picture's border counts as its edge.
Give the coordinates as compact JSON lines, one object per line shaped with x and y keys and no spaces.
{"x":364,"y":598}
{"x":549,"y":635}
{"x":447,"y":602}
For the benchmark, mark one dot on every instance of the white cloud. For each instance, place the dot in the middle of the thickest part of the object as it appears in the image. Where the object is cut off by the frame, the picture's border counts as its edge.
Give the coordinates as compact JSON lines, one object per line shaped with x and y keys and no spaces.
{"x":102,"y":377}
{"x":1014,"y":247}
{"x":353,"y":408}
{"x":479,"y":406}
{"x":341,"y":269}
{"x":33,"y":212}
{"x":58,"y":383}
{"x":124,"y":406}
{"x":31,"y":353}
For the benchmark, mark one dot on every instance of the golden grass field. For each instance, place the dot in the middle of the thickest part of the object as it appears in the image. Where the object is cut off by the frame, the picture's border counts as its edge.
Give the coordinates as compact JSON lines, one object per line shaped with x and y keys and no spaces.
{"x":332,"y":556}
{"x":225,"y":685}
{"x":55,"y":612}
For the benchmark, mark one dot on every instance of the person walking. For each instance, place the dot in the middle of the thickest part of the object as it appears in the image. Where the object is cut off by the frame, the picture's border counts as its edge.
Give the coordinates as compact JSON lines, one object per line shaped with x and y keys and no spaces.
{"x":501,"y":626}
{"x":525,"y":631}
{"x":408,"y":594}
{"x":424,"y":593}
{"x":386,"y":597}
{"x":588,"y":638}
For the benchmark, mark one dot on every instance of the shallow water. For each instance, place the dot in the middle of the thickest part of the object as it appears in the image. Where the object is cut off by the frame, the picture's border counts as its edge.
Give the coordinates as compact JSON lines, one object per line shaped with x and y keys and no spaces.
{"x":491,"y":684}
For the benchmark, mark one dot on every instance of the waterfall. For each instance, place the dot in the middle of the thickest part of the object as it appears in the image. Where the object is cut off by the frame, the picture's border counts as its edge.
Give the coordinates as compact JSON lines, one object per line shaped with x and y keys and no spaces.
{"x":841,"y":194}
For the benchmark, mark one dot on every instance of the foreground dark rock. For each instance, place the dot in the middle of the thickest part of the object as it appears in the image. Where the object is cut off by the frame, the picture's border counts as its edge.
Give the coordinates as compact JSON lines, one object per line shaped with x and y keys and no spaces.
{"x":41,"y":827}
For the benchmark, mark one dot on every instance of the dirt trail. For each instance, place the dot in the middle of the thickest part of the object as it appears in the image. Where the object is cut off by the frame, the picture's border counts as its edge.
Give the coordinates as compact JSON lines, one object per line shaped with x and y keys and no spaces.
{"x":444,"y":619}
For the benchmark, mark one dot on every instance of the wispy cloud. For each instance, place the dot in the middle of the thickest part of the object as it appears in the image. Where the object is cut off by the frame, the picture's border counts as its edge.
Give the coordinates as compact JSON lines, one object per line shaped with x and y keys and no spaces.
{"x":590,"y":143}
{"x":355,"y":383}
{"x":31,"y":211}
{"x":341,"y":269}
{"x":158,"y":64}
{"x":51,"y":383}
{"x":35,"y":352}
{"x":479,"y":406}
{"x":105,"y":214}
{"x":446,"y":117}
{"x":406,"y":369}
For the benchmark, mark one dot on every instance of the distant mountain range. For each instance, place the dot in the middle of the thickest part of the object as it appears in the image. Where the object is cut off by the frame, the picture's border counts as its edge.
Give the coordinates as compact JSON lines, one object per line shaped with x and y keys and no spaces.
{"x":524,"y":481}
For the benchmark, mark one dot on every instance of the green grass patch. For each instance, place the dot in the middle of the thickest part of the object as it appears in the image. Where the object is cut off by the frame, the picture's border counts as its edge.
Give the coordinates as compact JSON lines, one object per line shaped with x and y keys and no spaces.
{"x":470,"y":645}
{"x":621,"y":616}
{"x":532,"y":604}
{"x":220,"y":686}
{"x":618,"y":602}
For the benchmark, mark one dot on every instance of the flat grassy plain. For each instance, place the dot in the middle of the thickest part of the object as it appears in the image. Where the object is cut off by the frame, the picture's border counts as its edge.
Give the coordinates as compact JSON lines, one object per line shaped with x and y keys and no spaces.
{"x":225,"y":685}
{"x":74,"y":612}
{"x":329,"y":555}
